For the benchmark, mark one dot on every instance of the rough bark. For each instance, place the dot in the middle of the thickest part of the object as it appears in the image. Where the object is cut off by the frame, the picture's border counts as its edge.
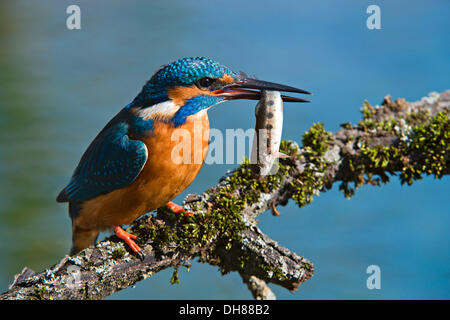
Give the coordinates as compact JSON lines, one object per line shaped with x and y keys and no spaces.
{"x":355,"y":154}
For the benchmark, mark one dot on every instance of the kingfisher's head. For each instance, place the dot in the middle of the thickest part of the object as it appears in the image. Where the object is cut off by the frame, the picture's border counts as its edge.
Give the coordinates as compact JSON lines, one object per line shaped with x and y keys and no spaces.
{"x":190,"y":85}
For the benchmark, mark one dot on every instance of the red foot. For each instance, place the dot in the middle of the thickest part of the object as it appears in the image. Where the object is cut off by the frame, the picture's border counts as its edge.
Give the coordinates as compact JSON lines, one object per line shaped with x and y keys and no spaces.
{"x":127,"y":237}
{"x":179,"y":209}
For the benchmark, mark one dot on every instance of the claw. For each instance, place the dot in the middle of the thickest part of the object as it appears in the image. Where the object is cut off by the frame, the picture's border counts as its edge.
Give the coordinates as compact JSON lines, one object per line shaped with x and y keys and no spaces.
{"x":128,"y":238}
{"x":179,"y":209}
{"x":141,"y":255}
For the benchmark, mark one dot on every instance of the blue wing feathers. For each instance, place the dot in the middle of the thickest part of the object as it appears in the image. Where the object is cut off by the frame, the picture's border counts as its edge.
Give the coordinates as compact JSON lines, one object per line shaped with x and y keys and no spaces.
{"x":111,"y":162}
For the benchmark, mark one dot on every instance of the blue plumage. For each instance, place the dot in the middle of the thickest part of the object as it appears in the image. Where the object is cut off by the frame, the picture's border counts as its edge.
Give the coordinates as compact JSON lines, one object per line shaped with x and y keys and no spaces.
{"x":188,"y":70}
{"x":111,"y":162}
{"x":182,"y":72}
{"x":194,"y":105}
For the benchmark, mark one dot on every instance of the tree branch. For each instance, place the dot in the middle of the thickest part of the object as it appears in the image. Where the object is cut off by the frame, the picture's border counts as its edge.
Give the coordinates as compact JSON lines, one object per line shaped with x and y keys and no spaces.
{"x":408,"y":139}
{"x":259,"y":288}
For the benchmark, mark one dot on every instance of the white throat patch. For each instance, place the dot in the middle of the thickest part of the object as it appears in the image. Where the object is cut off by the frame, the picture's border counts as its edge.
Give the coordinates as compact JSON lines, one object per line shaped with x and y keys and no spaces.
{"x":163,"y":110}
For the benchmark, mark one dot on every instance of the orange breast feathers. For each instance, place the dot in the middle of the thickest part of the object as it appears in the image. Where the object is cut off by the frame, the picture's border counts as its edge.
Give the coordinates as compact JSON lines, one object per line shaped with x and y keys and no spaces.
{"x":175,"y":156}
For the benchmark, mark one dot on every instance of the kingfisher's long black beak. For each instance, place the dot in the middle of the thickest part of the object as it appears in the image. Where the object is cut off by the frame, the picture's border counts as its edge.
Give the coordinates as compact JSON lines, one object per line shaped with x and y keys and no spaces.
{"x":237,"y":90}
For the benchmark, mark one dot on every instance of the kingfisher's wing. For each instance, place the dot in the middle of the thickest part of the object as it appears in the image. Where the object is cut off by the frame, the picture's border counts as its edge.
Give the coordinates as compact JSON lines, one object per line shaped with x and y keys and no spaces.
{"x":111,"y":162}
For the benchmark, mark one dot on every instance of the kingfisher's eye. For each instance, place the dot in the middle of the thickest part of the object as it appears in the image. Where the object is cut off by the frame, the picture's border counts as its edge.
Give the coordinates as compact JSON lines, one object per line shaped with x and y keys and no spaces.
{"x":205,"y":82}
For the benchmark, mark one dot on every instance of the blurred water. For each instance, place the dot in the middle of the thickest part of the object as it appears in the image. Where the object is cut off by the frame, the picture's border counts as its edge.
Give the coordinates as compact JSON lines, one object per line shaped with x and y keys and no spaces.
{"x":58,"y":88}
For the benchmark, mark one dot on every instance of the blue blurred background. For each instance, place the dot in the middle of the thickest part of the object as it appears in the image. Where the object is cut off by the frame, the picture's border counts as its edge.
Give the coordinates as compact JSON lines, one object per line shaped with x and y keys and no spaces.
{"x":59,"y":87}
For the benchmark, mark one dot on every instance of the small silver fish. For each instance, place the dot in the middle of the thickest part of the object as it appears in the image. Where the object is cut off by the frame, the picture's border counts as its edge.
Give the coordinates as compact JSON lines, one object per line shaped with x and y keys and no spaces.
{"x":268,"y":129}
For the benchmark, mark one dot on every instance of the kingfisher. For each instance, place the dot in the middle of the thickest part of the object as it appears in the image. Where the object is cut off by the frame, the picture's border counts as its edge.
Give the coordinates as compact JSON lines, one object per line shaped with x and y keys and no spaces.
{"x":129,"y":169}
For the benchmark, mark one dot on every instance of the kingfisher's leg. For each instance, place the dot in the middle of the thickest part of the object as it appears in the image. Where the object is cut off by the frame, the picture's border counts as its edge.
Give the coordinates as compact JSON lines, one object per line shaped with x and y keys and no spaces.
{"x":179,"y":209}
{"x":128,"y":238}
{"x":82,"y":238}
